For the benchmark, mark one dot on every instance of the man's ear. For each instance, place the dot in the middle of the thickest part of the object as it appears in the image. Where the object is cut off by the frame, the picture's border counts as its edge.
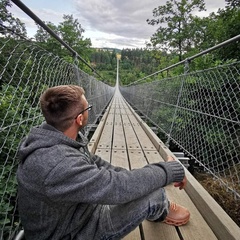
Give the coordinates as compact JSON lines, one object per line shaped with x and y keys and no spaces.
{"x":79,"y":120}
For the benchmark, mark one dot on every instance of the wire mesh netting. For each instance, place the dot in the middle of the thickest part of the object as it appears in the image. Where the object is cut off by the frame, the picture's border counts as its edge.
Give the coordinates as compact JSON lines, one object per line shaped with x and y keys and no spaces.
{"x":26,"y":71}
{"x":200,"y":112}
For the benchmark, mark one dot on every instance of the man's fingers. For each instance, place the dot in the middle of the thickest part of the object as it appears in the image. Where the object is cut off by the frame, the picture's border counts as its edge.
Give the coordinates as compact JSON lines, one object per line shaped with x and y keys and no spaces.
{"x":170,"y":158}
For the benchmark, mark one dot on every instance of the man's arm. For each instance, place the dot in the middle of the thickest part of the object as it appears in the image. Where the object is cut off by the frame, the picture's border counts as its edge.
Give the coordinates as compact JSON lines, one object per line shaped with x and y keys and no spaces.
{"x":79,"y":181}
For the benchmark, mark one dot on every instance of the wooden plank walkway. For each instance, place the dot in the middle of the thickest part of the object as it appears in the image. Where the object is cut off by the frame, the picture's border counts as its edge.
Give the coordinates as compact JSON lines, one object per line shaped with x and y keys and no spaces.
{"x":123,"y":139}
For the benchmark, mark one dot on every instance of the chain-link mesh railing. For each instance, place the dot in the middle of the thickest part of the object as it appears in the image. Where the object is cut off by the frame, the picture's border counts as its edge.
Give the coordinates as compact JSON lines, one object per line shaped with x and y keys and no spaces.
{"x":200,"y":112}
{"x":26,"y":70}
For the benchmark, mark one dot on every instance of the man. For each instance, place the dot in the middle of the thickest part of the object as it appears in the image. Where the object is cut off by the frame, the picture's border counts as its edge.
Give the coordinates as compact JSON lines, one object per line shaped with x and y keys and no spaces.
{"x":67,"y":193}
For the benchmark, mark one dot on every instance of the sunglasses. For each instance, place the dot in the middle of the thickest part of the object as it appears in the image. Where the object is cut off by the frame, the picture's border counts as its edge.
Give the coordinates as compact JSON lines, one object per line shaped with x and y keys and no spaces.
{"x":88,"y":108}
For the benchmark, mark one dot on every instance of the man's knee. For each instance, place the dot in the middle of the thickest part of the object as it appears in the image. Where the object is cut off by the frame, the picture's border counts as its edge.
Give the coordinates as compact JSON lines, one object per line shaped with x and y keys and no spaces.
{"x":158,"y":206}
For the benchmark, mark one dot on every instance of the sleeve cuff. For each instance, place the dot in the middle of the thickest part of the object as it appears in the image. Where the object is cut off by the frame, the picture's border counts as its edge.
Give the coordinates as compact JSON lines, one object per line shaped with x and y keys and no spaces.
{"x":174,"y":170}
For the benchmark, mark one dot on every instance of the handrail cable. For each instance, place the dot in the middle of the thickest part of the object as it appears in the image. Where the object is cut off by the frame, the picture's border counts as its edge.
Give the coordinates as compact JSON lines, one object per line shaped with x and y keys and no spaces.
{"x":24,"y":8}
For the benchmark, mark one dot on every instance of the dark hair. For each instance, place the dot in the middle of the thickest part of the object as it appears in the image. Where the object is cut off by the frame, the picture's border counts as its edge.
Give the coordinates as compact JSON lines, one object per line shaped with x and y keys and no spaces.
{"x":60,"y":104}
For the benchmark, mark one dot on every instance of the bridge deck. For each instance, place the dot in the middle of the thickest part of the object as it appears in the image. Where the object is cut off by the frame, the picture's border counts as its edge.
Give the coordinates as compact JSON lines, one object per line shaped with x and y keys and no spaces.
{"x":123,"y":139}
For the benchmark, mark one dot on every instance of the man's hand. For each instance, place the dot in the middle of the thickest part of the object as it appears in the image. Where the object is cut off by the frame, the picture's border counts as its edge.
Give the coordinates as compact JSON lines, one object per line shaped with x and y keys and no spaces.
{"x":181,"y":184}
{"x":170,"y":158}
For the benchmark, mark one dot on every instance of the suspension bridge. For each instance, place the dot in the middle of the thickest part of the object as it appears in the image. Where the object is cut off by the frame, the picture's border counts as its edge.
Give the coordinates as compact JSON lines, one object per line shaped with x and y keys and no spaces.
{"x":196,"y":111}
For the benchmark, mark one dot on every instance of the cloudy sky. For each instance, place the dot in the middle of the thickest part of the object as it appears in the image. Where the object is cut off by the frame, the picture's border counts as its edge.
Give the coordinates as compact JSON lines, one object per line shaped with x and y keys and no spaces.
{"x":108,"y":23}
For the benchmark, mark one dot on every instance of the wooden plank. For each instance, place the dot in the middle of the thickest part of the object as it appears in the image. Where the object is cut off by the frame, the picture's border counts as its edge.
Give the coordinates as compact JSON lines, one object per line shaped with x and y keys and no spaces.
{"x":132,"y":141}
{"x":145,"y":142}
{"x":104,"y":153}
{"x":92,"y":145}
{"x":131,"y":138}
{"x":134,"y":235}
{"x":151,"y":230}
{"x":151,"y":135}
{"x":118,"y":133}
{"x":153,"y":156}
{"x":136,"y":158}
{"x":120,"y":158}
{"x":157,"y":231}
{"x":105,"y":140}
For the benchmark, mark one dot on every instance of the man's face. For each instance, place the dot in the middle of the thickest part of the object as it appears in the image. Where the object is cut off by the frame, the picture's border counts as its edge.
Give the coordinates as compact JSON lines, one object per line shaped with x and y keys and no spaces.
{"x":85,"y":113}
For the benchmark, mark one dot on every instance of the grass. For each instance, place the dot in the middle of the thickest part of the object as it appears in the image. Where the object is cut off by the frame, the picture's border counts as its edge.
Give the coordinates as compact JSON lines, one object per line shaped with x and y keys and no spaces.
{"x":224,"y":198}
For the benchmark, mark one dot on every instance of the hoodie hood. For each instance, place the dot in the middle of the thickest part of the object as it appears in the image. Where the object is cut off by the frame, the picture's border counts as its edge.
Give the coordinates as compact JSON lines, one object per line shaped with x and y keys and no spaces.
{"x":46,"y":136}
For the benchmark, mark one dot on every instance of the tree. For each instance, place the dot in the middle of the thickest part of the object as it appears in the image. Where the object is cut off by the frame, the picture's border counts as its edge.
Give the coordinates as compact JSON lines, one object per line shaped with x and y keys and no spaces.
{"x":219,"y":27}
{"x":7,"y":20}
{"x":42,"y":35}
{"x":71,"y":31}
{"x":233,"y":3}
{"x":176,"y":31}
{"x":46,"y":40}
{"x":228,"y":25}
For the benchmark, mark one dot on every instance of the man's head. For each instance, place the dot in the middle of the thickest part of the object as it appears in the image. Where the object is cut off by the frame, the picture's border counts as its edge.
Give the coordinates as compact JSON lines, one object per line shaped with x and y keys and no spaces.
{"x":62,"y":104}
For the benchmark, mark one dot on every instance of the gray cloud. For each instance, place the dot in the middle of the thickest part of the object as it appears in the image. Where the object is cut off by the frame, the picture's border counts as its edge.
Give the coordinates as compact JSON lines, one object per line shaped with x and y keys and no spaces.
{"x":108,"y":23}
{"x":126,"y":18}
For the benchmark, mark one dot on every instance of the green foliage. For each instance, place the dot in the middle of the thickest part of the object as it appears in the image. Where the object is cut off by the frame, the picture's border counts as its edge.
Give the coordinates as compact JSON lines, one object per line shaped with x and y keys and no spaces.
{"x":233,"y":3}
{"x":46,"y":41}
{"x":176,"y":30}
{"x":8,"y":192}
{"x":185,"y":34}
{"x":70,"y":31}
{"x":227,"y":26}
{"x":8,"y":20}
{"x":16,"y":105}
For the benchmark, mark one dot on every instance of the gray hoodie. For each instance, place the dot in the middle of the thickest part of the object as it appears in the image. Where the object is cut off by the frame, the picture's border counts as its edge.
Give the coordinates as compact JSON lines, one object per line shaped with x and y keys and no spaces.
{"x":62,"y":187}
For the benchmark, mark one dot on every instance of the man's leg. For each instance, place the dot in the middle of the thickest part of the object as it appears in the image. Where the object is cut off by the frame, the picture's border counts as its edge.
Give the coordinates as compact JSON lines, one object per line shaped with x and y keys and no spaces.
{"x":116,"y":221}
